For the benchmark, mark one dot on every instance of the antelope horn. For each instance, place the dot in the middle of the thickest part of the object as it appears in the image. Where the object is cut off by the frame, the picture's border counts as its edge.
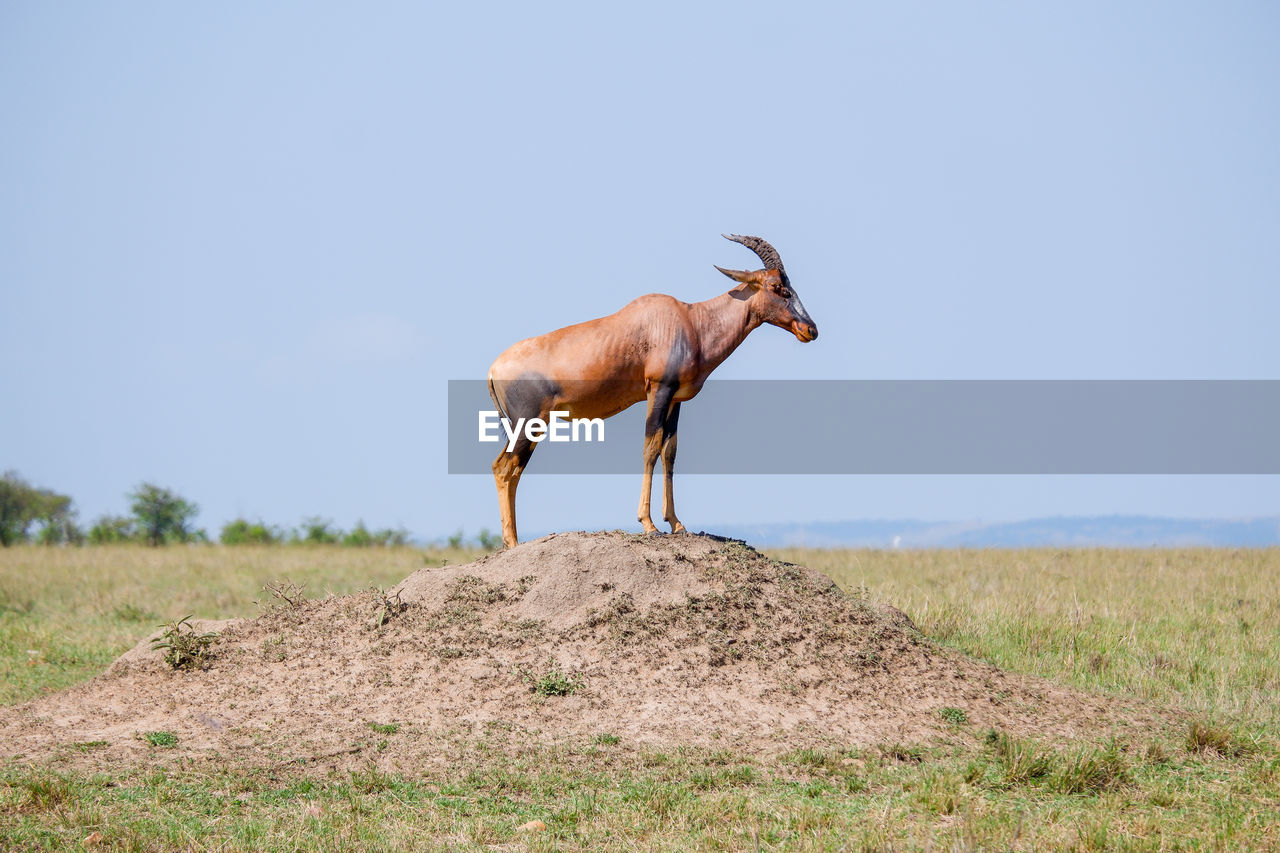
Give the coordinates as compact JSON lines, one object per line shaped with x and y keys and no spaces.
{"x":768,"y":254}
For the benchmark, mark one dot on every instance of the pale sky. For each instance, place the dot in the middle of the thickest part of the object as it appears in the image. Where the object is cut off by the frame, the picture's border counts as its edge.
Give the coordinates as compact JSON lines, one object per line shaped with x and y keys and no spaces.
{"x":243,"y":247}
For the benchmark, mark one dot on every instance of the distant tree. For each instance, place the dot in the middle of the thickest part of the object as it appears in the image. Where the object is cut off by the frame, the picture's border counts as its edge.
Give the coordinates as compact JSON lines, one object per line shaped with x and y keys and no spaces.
{"x":162,"y":516}
{"x":488,"y":541}
{"x":110,"y":529}
{"x":242,"y":532}
{"x":455,"y":541}
{"x":22,"y":505}
{"x":62,"y":530}
{"x":318,"y":531}
{"x":17,"y":509}
{"x":57,"y":520}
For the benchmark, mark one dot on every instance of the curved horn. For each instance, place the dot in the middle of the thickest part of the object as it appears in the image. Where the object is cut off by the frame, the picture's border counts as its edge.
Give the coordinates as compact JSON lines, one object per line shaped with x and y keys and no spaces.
{"x":768,"y":254}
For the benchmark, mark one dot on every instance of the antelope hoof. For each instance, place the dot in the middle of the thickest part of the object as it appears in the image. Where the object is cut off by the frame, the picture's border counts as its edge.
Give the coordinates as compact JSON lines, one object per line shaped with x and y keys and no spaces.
{"x":677,"y":527}
{"x":649,"y":526}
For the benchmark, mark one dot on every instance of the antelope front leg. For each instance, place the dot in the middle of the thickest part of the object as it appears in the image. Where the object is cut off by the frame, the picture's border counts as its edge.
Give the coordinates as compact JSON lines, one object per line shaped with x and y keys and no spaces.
{"x":659,"y":404}
{"x":669,"y":469}
{"x":652,"y":445}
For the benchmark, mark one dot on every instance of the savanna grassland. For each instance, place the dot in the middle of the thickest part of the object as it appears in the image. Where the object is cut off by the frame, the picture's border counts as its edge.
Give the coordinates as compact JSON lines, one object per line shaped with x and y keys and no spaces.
{"x":1192,"y":630}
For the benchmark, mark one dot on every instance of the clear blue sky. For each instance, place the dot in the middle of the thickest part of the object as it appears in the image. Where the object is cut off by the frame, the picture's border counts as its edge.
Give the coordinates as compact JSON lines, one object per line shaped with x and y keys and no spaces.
{"x":243,"y":246}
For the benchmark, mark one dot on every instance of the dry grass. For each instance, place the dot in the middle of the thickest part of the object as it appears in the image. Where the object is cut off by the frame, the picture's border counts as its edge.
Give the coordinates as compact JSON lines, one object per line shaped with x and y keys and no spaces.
{"x":65,"y":613}
{"x":1194,"y":628}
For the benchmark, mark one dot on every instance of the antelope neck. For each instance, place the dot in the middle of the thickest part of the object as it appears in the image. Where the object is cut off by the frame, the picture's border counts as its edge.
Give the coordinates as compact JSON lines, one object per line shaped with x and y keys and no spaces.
{"x":722,"y":323}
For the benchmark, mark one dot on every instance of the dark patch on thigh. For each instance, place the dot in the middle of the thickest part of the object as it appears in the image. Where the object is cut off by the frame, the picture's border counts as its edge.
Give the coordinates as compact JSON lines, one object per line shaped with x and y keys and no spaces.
{"x":527,"y":396}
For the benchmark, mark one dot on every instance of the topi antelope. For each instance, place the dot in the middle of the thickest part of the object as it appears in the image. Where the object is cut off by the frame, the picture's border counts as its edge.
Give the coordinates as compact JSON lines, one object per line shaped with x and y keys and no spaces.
{"x":656,"y":349}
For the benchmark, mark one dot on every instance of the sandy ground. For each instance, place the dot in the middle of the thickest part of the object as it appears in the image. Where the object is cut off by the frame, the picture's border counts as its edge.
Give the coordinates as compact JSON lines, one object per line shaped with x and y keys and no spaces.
{"x":662,"y":641}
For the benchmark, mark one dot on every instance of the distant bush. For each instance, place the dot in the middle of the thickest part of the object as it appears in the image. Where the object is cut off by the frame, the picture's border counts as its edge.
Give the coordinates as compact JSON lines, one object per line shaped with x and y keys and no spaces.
{"x":391,"y":538}
{"x":360,"y":537}
{"x":488,"y":541}
{"x":160,"y":516}
{"x":60,"y":531}
{"x":242,"y":532}
{"x":110,"y":529}
{"x":485,"y":540}
{"x":318,"y":531}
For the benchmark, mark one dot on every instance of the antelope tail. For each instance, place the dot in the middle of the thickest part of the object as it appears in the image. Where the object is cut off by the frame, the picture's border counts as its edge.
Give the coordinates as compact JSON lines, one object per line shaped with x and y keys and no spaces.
{"x":493,"y":395}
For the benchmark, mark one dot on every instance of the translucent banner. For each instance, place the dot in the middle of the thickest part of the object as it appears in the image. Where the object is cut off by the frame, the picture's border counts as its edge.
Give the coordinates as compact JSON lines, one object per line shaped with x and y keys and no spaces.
{"x":895,"y":427}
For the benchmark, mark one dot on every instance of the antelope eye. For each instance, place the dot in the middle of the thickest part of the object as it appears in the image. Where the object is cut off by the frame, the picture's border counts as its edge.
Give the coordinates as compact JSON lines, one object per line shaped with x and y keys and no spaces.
{"x":784,"y":293}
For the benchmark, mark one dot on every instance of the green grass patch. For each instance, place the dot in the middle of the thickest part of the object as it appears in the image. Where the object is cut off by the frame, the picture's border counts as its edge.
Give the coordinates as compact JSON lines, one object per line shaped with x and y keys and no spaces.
{"x":997,"y":793}
{"x":552,"y":680}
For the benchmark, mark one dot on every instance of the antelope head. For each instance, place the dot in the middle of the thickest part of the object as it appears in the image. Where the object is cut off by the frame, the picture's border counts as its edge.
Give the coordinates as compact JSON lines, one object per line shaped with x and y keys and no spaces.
{"x":769,"y":291}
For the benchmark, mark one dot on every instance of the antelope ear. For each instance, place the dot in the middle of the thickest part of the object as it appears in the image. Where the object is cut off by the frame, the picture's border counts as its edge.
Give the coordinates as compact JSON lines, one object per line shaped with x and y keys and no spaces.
{"x":742,"y":277}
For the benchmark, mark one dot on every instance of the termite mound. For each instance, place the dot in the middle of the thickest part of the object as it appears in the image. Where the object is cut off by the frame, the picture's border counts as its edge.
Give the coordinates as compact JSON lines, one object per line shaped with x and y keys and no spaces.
{"x":658,"y":641}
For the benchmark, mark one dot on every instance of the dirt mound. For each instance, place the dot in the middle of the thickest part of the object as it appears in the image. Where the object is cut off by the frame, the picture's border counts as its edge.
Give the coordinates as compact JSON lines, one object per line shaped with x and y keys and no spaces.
{"x":657,"y":640}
